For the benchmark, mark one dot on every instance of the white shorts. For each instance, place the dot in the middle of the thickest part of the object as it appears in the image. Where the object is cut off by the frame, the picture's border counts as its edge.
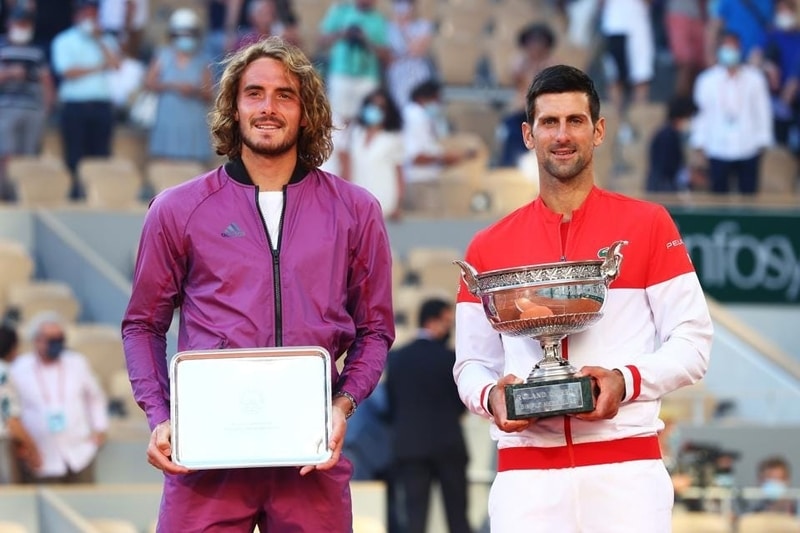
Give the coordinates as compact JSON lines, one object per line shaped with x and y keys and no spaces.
{"x":629,"y":497}
{"x":346,"y":93}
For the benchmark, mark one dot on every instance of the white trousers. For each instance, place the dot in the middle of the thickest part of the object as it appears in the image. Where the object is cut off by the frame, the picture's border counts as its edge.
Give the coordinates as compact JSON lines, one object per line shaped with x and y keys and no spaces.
{"x":630,"y":497}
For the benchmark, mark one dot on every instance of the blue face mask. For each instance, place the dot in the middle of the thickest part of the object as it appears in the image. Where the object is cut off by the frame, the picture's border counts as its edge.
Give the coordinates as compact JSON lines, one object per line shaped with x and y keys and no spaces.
{"x":729,"y":56}
{"x":185,"y":43}
{"x":434,"y":109}
{"x":773,"y":489}
{"x":372,"y":115}
{"x":54,"y":348}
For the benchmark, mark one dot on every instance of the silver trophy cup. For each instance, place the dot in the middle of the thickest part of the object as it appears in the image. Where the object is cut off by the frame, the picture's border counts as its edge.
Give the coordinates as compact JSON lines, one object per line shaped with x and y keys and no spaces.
{"x":546,"y":302}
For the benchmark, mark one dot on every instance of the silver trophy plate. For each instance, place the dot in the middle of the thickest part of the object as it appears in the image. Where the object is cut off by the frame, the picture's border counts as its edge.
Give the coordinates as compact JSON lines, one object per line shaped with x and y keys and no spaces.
{"x":250,"y":407}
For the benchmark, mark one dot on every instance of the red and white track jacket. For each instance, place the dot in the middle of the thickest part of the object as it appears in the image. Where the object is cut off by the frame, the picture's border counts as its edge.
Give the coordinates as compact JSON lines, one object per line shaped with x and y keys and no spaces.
{"x":655,"y":327}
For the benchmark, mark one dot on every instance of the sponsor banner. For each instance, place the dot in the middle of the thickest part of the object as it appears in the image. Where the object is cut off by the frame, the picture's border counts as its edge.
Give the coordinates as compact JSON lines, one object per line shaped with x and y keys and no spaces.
{"x":742,"y":256}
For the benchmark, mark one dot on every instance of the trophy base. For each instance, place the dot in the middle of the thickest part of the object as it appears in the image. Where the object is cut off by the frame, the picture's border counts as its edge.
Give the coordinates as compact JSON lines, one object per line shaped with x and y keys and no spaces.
{"x":539,"y":399}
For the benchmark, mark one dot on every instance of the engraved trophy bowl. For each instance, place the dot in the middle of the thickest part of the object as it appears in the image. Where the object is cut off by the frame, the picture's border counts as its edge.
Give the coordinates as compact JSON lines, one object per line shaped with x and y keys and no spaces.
{"x":546,"y":302}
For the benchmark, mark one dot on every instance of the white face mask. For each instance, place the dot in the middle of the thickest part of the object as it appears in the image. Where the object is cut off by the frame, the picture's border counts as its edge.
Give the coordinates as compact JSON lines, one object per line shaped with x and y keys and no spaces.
{"x":785,"y":20}
{"x":18,"y":35}
{"x":87,"y":26}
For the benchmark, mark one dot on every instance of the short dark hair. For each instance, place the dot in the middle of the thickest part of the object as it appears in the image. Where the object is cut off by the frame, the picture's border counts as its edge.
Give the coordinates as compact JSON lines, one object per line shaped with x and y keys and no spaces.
{"x":536,"y":31}
{"x":562,"y":79}
{"x":775,"y":461}
{"x":432,"y":309}
{"x":392,"y":120}
{"x":426,"y":89}
{"x":681,"y":107}
{"x":8,"y":340}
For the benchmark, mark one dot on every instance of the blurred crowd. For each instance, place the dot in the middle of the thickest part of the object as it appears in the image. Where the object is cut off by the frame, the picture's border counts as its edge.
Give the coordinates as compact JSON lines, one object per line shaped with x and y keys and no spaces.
{"x":87,"y":66}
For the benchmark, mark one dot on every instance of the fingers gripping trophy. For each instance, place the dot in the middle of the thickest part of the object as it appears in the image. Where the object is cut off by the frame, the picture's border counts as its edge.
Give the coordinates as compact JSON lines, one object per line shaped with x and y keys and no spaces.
{"x":546,"y":302}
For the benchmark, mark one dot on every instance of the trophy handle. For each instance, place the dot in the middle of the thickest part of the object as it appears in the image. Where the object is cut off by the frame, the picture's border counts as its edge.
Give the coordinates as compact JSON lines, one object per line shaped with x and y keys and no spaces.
{"x":469,"y":275}
{"x":610,"y":267}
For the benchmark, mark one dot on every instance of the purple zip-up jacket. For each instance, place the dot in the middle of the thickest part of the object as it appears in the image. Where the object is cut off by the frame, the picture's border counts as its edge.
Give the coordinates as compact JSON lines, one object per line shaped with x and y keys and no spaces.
{"x":205,"y":249}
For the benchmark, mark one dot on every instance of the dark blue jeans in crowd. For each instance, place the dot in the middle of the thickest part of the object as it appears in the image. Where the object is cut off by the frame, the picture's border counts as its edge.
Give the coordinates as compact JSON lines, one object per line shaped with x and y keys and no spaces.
{"x":86,"y":129}
{"x":745,"y":170}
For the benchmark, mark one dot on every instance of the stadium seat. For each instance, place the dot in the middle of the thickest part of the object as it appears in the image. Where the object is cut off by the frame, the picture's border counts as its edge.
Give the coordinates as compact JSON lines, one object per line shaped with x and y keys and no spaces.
{"x":418,"y":257}
{"x":12,"y":527}
{"x":113,"y":525}
{"x":700,"y":522}
{"x":113,"y":182}
{"x":768,"y":523}
{"x":163,"y":174}
{"x":443,"y":276}
{"x":456,"y":58}
{"x":39,"y":181}
{"x":508,"y":189}
{"x":476,"y":118}
{"x":779,"y":171}
{"x":367,"y":524}
{"x":101,"y":344}
{"x":37,"y":296}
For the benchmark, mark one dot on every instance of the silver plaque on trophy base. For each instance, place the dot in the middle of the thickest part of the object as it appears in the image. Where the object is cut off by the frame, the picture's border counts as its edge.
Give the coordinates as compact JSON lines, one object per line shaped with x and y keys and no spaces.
{"x":253,"y":407}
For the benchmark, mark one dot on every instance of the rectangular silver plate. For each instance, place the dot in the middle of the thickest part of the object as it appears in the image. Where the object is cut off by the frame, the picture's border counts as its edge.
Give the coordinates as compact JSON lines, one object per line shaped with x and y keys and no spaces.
{"x":251,"y":407}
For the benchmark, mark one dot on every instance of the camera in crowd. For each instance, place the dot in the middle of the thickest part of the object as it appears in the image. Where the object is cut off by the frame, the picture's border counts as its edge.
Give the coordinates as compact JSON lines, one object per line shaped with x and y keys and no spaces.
{"x":708,"y":464}
{"x":354,"y":35}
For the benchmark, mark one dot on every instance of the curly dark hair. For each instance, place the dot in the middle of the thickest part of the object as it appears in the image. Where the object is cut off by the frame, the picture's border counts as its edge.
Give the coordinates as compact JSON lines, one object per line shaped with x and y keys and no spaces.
{"x":314,"y":145}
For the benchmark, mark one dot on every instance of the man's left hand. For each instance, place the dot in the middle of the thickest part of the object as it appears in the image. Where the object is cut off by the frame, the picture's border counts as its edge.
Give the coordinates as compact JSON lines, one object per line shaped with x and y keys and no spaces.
{"x":335,"y":444}
{"x":611,"y":388}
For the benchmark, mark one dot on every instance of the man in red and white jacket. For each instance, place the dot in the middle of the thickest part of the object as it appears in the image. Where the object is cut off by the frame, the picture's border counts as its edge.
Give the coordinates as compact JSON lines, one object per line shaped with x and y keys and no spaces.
{"x":600,"y":471}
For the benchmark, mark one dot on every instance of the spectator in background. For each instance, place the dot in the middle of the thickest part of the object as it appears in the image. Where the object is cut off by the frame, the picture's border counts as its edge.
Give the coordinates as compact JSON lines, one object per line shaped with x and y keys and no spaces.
{"x":83,"y":58}
{"x":774,"y":478}
{"x":425,"y":414}
{"x":15,"y":442}
{"x":535,"y":45}
{"x":263,"y":21}
{"x":686,"y":32}
{"x":355,"y":33}
{"x":181,"y":76}
{"x":629,"y":62}
{"x":748,"y":19}
{"x":26,"y":94}
{"x":734,"y":119}
{"x":373,"y":154}
{"x":424,"y":125}
{"x":667,"y":163}
{"x":410,"y":39}
{"x":125,"y":20}
{"x":62,"y":405}
{"x":782,"y":67}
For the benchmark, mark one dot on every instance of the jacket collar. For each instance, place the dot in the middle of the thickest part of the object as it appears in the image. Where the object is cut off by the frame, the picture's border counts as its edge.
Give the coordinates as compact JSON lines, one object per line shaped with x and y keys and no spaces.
{"x":235,"y":169}
{"x":551,"y":217}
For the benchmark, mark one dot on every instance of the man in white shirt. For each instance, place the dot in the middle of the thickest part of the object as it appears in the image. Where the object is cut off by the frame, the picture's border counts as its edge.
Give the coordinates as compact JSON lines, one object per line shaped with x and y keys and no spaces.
{"x":424,"y":125}
{"x":61,"y":405}
{"x":733,"y":124}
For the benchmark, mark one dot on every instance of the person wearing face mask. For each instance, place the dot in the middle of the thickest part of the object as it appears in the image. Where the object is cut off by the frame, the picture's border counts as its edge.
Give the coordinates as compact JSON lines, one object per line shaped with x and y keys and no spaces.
{"x":83,"y":57}
{"x":62,"y":405}
{"x":733,"y":125}
{"x":667,"y":164}
{"x":425,"y":412}
{"x":180,"y":74}
{"x":424,"y":126}
{"x":26,"y":94}
{"x":372,"y":155}
{"x":774,"y":479}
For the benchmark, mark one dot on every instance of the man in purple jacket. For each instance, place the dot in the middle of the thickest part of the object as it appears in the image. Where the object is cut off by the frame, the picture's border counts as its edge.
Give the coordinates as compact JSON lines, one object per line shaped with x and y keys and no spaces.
{"x":266,"y":250}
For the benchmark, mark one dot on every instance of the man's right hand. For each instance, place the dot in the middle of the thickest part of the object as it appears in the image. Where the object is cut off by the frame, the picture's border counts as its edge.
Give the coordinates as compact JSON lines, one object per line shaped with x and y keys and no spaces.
{"x":159,"y":450}
{"x":497,"y":403}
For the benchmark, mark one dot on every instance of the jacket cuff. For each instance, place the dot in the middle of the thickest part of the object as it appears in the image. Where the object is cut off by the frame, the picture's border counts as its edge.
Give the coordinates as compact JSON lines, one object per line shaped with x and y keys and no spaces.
{"x":633,"y":382}
{"x":485,"y":399}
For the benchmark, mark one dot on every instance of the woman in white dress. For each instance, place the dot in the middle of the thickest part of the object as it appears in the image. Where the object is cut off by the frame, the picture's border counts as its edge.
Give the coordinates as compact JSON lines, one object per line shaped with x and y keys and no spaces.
{"x":372,"y":156}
